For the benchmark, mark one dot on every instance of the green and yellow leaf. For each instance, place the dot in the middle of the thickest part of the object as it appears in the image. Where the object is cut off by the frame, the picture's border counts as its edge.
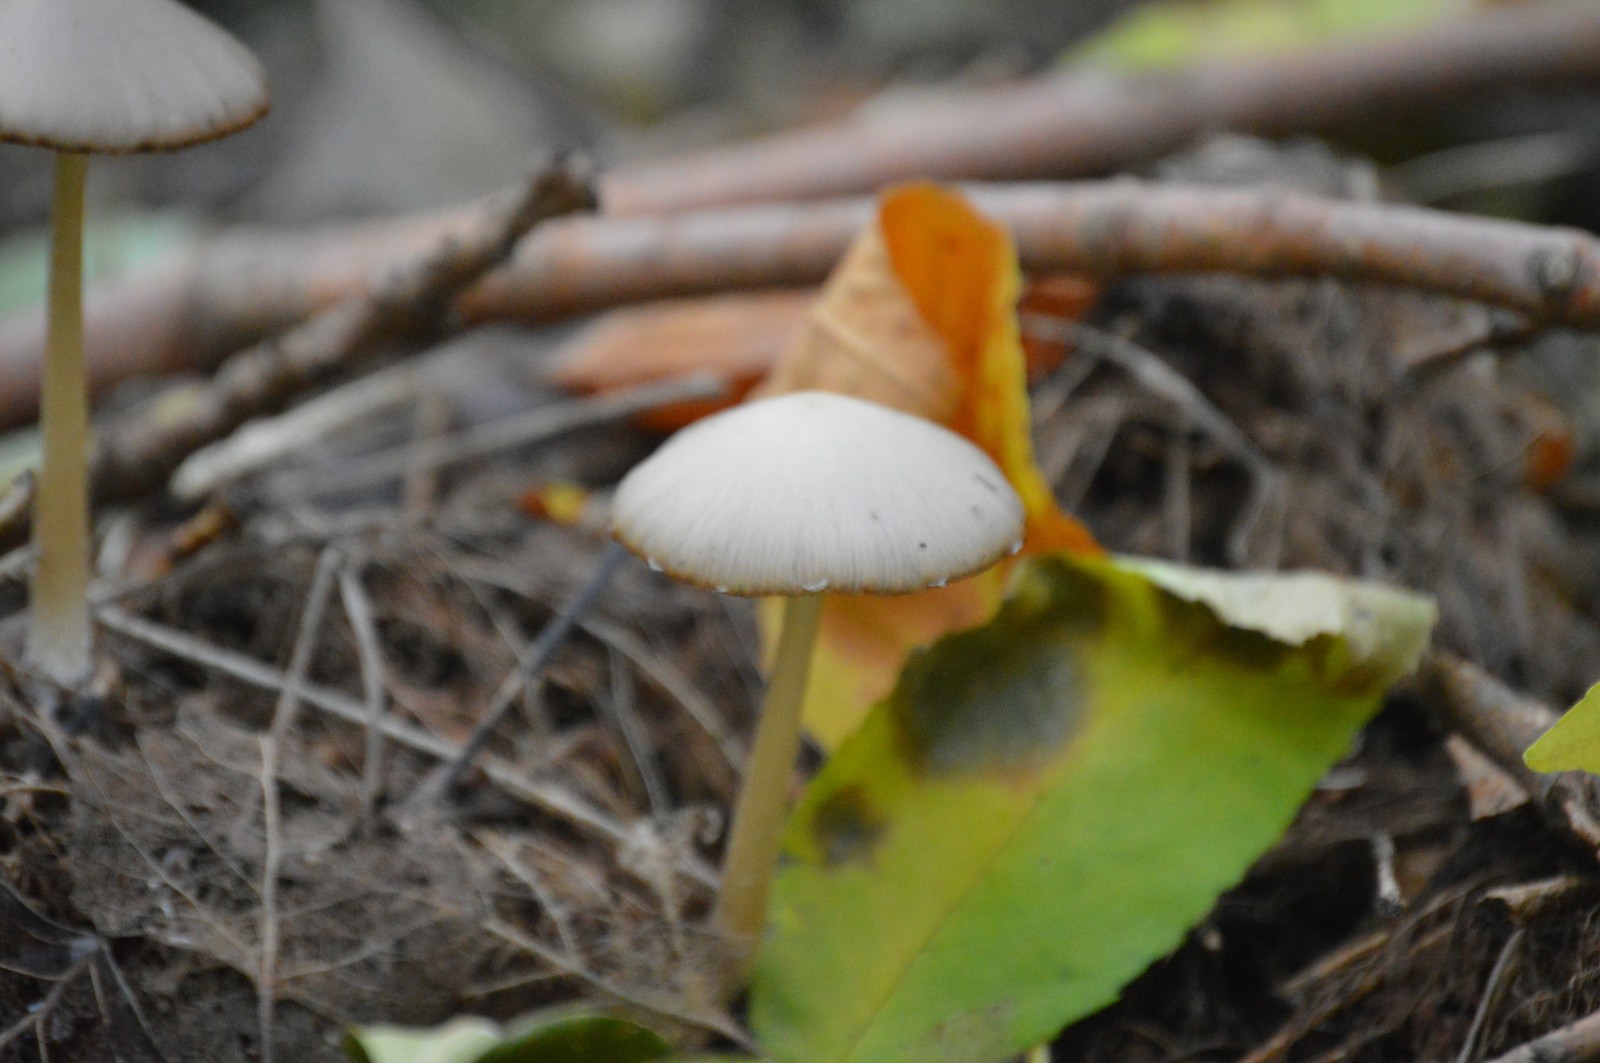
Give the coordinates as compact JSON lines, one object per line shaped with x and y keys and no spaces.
{"x":1047,"y":803}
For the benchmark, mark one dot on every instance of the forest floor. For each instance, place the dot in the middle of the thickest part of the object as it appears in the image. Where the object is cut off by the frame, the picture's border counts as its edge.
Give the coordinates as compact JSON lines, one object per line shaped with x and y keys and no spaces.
{"x":243,"y":833}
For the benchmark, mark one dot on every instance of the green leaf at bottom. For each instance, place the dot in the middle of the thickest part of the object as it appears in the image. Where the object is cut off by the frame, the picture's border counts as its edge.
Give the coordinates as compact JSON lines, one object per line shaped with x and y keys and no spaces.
{"x":1044,"y":805}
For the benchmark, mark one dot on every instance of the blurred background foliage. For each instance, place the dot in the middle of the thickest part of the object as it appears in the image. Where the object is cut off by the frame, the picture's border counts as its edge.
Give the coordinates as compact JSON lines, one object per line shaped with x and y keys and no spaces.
{"x":387,"y":105}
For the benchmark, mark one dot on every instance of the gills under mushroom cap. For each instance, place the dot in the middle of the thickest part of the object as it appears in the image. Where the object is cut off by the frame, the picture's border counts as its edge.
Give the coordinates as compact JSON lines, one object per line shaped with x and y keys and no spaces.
{"x":812,"y":492}
{"x":108,"y":76}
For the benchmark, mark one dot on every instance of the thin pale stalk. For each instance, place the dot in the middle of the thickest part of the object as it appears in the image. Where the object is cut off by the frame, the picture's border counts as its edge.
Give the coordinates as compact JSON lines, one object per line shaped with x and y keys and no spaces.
{"x":762,"y":808}
{"x":59,"y":639}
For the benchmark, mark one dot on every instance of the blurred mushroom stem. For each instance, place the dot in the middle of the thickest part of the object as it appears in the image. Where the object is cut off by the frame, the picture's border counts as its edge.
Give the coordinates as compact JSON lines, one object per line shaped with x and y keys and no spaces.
{"x":763,"y":804}
{"x":59,"y":639}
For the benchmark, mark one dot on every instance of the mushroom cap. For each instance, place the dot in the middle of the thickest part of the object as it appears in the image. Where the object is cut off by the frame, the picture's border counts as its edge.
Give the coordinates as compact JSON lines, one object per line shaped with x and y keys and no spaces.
{"x":813,"y":491}
{"x":112,"y":76}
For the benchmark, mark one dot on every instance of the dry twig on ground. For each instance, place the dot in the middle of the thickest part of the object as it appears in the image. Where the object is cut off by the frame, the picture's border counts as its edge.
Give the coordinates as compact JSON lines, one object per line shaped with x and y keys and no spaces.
{"x":573,"y":266}
{"x":408,"y":303}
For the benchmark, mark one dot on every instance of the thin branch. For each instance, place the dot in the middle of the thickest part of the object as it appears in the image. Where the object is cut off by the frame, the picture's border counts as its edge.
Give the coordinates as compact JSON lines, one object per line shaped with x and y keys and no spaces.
{"x":1107,"y":229}
{"x":623,"y":708}
{"x":1492,"y":991}
{"x":40,"y":1012}
{"x":402,"y":303}
{"x":407,"y":301}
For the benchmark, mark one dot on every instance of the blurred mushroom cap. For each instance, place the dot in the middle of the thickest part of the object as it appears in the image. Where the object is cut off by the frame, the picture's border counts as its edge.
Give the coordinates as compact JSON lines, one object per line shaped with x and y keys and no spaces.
{"x":113,"y":76}
{"x":813,"y":491}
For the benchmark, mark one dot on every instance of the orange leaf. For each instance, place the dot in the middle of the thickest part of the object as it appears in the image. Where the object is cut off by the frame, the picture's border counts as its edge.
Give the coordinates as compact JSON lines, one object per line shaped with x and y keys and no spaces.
{"x":961,"y":270}
{"x":921,"y":315}
{"x":737,"y":336}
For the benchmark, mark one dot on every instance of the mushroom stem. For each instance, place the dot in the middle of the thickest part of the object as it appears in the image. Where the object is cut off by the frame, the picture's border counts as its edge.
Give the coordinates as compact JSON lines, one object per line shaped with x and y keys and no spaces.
{"x":759,"y":816}
{"x":59,"y":637}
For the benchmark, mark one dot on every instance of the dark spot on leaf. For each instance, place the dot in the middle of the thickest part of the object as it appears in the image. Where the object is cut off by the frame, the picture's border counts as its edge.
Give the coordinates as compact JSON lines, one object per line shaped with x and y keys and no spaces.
{"x":922,"y":546}
{"x":1011,"y":693}
{"x":845,"y":827}
{"x":990,"y":699}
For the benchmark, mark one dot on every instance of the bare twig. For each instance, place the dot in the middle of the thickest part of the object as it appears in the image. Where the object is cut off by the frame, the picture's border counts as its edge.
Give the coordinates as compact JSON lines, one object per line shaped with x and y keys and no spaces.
{"x":259,"y":444}
{"x":1107,"y":229}
{"x":557,"y":910}
{"x":650,"y":1002}
{"x":666,"y":676}
{"x":40,"y":1013}
{"x":407,"y":302}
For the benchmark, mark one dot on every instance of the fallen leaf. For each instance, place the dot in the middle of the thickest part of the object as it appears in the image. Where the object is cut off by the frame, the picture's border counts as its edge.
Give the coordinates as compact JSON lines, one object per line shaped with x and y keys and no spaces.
{"x":921,"y":315}
{"x":1064,"y":297}
{"x":1045,"y":804}
{"x":560,"y":502}
{"x":1573,"y":743}
{"x":738,"y":337}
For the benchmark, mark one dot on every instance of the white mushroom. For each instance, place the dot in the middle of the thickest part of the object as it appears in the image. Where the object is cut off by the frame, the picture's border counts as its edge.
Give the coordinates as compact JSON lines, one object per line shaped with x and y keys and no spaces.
{"x":796,"y":495}
{"x":98,"y":76}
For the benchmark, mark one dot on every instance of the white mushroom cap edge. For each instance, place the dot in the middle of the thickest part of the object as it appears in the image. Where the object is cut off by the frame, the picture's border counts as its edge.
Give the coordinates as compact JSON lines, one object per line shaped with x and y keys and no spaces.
{"x":112,"y":76}
{"x":812,"y":491}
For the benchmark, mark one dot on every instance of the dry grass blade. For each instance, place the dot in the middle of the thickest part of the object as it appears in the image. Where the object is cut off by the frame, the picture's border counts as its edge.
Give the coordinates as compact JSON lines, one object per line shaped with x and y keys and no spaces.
{"x":322,"y":584}
{"x":358,"y":607}
{"x":1576,"y":1042}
